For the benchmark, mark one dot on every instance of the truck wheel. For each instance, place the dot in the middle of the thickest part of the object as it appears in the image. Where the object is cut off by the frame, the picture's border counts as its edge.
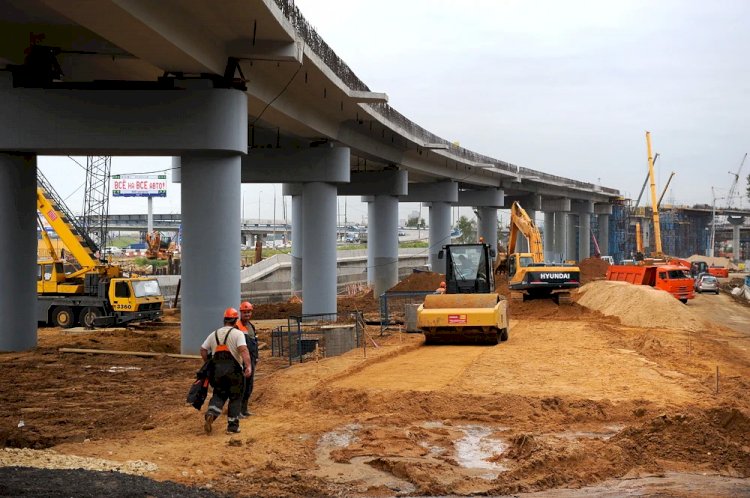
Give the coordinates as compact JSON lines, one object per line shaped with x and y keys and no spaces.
{"x":503,"y":335}
{"x":88,"y":315}
{"x":64,"y":317}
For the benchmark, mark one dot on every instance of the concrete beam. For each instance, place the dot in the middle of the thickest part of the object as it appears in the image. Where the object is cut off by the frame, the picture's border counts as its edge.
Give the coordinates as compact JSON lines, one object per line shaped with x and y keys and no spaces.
{"x":291,"y":189}
{"x":122,"y":122}
{"x":318,"y":164}
{"x":556,"y":205}
{"x":602,"y":208}
{"x":266,"y":50}
{"x":432,"y":192}
{"x":582,"y":207}
{"x":376,"y":183}
{"x":481,"y":198}
{"x":363,"y":97}
{"x":528,"y":202}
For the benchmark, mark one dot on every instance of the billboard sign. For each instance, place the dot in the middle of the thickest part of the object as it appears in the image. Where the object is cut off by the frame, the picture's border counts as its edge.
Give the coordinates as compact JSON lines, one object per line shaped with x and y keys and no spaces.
{"x":139,"y":185}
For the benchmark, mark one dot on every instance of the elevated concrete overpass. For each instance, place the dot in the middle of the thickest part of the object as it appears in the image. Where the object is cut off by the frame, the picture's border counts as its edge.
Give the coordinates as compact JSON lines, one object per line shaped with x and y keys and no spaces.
{"x":243,"y":93}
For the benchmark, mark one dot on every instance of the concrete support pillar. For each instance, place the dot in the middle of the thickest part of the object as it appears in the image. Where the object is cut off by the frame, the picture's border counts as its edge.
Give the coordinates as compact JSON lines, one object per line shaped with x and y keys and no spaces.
{"x":736,"y":222}
{"x":297,"y":244}
{"x":488,"y":225}
{"x":382,"y":243}
{"x":211,"y":244}
{"x":736,"y":244}
{"x":18,"y":250}
{"x":549,"y":235}
{"x":561,"y":221}
{"x":603,"y":222}
{"x":440,"y":233}
{"x":570,"y":237}
{"x":319,"y":250}
{"x":584,"y":234}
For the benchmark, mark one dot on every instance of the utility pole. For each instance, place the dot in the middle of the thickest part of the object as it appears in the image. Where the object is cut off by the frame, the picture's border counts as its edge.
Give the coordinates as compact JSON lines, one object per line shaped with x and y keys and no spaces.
{"x":713,"y":222}
{"x":274,"y":216}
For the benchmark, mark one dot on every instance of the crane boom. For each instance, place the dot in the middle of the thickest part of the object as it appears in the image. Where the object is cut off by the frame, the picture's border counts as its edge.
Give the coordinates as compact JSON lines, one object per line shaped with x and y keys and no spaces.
{"x":669,"y":180}
{"x":730,"y":196}
{"x":654,"y":203}
{"x":522,"y":222}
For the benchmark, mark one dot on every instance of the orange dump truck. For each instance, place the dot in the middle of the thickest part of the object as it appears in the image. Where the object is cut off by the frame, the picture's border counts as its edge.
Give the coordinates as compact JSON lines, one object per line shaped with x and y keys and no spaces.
{"x":670,"y":278}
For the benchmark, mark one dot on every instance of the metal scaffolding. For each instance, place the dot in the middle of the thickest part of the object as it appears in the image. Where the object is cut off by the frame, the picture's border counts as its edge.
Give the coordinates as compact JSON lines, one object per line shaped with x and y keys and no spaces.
{"x":96,"y":199}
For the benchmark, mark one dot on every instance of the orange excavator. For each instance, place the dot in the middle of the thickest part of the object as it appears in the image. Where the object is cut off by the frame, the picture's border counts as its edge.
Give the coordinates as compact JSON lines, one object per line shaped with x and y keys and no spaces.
{"x":155,"y":248}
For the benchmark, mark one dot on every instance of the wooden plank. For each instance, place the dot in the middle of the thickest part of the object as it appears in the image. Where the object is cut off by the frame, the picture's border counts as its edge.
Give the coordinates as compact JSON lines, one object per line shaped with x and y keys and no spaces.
{"x":128,"y":353}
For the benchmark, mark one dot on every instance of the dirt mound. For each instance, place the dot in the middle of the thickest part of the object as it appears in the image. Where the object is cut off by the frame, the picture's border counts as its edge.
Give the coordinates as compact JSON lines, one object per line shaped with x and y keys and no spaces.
{"x":419,"y":281}
{"x":715,"y":261}
{"x":593,"y":269}
{"x":277,"y":310}
{"x":638,"y":305}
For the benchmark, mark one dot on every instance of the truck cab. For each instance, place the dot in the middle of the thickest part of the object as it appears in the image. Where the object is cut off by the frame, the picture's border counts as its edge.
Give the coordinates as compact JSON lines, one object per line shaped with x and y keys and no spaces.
{"x":675,"y":280}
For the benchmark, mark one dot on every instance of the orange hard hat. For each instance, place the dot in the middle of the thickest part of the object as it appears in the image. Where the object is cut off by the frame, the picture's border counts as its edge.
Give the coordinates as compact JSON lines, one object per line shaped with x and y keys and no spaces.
{"x":442,"y":284}
{"x":246,"y":306}
{"x":231,"y":314}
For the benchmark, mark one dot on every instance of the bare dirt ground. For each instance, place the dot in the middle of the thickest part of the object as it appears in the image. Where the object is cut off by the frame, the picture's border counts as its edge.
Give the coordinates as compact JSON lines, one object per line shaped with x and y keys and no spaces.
{"x":574,"y":402}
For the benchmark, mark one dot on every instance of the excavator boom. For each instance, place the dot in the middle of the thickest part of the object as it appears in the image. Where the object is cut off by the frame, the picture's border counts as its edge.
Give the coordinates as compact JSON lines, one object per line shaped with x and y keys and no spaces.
{"x":521,"y":223}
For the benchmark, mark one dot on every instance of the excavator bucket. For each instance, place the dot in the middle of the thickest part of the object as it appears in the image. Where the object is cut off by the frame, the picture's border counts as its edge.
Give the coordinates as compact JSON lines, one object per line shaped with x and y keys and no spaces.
{"x":463,"y":319}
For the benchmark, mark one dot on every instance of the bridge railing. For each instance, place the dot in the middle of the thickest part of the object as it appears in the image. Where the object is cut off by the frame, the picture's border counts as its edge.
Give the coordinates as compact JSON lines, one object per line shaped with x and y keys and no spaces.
{"x":347,"y":76}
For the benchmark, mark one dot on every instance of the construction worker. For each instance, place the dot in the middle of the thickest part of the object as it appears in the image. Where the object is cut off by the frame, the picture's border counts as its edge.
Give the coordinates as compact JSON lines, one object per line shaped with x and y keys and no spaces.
{"x":228,"y":352}
{"x":246,"y":312}
{"x":440,"y":289}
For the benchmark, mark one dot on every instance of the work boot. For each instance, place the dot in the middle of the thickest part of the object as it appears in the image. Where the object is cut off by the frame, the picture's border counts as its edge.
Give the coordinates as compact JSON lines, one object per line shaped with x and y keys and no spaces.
{"x":233,"y":429}
{"x":245,"y":413}
{"x":210,"y":417}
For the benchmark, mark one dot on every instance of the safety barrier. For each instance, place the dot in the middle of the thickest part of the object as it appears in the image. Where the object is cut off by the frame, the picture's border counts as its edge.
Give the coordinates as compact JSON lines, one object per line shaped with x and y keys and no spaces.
{"x":309,"y":337}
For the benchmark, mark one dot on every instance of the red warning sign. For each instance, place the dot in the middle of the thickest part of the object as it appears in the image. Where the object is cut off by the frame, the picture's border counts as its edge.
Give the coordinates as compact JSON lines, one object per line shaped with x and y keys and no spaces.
{"x":456,"y":318}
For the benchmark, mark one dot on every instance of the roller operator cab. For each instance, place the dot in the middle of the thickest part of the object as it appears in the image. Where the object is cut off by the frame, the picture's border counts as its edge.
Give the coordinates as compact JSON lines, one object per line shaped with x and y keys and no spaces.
{"x":470,"y":311}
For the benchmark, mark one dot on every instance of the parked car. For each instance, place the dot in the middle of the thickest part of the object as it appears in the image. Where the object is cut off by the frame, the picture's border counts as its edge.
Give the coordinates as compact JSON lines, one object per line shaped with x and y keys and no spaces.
{"x":401,"y":233}
{"x":707,"y":283}
{"x":114,"y":251}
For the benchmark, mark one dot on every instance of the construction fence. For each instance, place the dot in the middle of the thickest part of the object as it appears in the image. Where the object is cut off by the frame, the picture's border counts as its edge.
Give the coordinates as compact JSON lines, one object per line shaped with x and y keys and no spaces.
{"x":396,"y":307}
{"x":309,"y":337}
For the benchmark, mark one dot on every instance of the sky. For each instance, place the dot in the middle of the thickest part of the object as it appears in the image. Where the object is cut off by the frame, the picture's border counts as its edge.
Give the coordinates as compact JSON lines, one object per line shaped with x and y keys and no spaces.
{"x":567,"y":88}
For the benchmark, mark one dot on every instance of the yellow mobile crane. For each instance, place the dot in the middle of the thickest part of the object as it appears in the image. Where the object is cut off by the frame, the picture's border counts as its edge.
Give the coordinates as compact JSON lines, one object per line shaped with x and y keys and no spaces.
{"x":529,"y":276}
{"x":97,"y":293}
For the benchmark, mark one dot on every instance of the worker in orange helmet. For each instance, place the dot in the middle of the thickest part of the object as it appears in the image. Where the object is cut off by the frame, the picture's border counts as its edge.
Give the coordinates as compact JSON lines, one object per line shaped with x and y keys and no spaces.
{"x":244,"y":324}
{"x":230,"y":361}
{"x":440,"y":289}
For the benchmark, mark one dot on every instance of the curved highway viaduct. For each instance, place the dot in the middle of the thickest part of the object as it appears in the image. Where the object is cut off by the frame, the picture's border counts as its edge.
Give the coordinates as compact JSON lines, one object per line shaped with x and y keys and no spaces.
{"x":241,"y":91}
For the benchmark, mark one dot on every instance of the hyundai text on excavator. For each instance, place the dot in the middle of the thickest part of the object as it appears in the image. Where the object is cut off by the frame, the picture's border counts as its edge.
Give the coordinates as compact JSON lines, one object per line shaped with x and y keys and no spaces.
{"x":470,"y":311}
{"x":529,"y":277}
{"x":97,"y":293}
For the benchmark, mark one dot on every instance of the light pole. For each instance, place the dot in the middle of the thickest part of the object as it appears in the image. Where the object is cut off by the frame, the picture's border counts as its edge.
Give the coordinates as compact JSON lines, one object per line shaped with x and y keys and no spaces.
{"x":274,"y":216}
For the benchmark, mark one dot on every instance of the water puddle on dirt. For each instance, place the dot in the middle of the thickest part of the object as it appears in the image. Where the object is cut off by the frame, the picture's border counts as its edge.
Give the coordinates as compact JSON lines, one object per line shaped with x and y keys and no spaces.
{"x":357,"y":469}
{"x":475,"y":448}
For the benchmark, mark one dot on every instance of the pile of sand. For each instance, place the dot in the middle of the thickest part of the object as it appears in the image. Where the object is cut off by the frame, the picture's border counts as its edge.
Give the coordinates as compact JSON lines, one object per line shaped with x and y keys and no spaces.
{"x":638,"y":305}
{"x":593,"y":269}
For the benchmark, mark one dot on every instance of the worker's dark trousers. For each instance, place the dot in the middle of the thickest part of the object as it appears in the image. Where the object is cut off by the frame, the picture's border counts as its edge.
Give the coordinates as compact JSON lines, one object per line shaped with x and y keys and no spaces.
{"x":249,"y":381}
{"x":228,"y":387}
